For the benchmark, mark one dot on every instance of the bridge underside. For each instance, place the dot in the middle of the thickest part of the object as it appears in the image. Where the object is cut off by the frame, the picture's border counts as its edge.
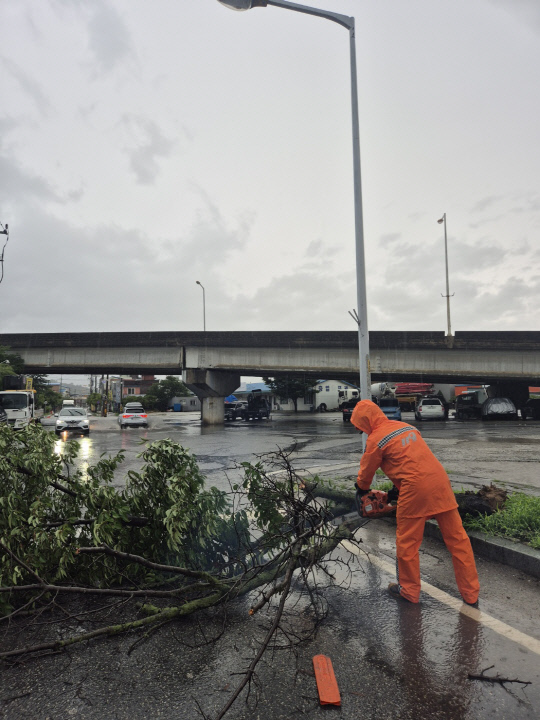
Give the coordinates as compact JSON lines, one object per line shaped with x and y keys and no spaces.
{"x":426,"y":364}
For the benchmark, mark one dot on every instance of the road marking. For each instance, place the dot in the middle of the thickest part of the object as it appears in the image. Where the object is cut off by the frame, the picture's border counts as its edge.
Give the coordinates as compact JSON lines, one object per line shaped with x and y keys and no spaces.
{"x":492,"y":623}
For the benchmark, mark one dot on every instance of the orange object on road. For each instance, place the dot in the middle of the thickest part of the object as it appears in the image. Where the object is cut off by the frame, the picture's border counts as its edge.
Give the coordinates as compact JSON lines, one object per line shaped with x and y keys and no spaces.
{"x":326,"y":681}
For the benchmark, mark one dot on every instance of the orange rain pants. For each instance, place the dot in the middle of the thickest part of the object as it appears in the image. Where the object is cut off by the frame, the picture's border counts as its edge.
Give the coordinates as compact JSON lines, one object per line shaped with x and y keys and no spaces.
{"x":409,"y":534}
{"x":424,"y":492}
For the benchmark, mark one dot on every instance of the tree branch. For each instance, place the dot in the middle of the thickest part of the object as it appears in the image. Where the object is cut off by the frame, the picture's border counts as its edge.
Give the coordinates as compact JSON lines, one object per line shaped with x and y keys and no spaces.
{"x":164,"y":616}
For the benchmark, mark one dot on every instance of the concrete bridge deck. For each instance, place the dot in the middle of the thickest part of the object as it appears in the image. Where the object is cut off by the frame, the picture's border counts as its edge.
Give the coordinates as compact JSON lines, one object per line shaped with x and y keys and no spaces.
{"x":394,"y":355}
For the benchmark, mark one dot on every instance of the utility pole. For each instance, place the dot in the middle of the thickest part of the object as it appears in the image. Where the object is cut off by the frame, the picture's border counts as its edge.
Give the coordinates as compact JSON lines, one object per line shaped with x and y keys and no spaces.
{"x":447,"y":296}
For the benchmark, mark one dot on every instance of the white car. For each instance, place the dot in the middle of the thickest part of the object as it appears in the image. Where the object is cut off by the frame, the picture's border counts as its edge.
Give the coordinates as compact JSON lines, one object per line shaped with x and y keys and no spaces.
{"x":134,"y":415}
{"x":430,"y":409}
{"x":72,"y":419}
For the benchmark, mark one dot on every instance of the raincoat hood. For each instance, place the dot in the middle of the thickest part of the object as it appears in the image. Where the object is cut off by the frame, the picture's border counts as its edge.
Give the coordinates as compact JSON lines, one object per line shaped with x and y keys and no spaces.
{"x":367,"y":416}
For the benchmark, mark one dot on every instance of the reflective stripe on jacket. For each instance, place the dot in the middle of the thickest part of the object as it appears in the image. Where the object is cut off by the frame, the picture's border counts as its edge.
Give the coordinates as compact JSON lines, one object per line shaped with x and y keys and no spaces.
{"x":401,"y":452}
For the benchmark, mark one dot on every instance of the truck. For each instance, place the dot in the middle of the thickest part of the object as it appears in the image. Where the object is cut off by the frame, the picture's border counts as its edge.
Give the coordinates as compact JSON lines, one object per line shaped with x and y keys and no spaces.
{"x":257,"y":408}
{"x":469,"y":404}
{"x":20,"y":407}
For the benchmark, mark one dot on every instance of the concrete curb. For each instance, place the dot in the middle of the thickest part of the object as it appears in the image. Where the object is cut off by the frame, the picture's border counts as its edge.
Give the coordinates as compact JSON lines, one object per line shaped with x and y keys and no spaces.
{"x":507,"y":552}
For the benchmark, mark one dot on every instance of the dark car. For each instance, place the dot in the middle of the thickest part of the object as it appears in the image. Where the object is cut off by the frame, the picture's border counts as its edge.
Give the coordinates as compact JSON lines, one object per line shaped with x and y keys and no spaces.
{"x":347,"y":409}
{"x":531,"y":409}
{"x":3,"y":415}
{"x":468,"y":406}
{"x":233,"y":410}
{"x":499,"y":409}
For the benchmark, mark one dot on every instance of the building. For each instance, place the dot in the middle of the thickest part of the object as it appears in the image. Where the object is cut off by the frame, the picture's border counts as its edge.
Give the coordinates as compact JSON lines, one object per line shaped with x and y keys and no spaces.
{"x":328,"y":396}
{"x":137,"y":384}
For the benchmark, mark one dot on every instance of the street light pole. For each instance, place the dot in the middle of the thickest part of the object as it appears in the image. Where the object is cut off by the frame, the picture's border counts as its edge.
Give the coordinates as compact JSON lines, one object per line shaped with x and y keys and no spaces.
{"x":203,"y":305}
{"x":447,"y":296}
{"x":348,"y":23}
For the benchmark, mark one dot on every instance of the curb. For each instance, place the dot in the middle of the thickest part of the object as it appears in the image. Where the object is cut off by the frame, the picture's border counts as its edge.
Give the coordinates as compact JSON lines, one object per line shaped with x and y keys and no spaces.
{"x":498,"y":549}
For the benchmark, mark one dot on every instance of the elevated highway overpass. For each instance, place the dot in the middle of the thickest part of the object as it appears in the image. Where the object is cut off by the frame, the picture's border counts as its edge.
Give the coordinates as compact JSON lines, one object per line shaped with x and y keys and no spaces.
{"x":212,"y":362}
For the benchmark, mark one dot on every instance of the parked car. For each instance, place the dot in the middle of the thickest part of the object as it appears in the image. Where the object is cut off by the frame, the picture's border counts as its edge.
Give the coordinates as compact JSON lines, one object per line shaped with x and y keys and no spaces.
{"x":531,"y":409}
{"x":257,"y":407}
{"x":233,"y":410}
{"x":134,"y":415}
{"x":3,"y":415}
{"x":347,"y":409}
{"x":72,"y":419}
{"x":469,"y":405}
{"x":430,"y":408}
{"x":499,"y":409}
{"x":390,"y":407}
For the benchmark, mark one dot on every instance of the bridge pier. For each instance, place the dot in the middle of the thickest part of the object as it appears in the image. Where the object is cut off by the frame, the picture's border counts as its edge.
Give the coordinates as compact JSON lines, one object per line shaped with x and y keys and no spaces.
{"x":211,"y":387}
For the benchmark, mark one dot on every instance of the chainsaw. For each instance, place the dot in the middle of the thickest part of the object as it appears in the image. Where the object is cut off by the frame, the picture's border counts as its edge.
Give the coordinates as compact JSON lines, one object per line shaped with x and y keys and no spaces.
{"x":375,"y":504}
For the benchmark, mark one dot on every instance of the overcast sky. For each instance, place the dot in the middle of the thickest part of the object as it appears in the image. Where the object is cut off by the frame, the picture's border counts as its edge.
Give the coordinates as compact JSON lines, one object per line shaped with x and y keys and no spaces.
{"x":147,"y":144}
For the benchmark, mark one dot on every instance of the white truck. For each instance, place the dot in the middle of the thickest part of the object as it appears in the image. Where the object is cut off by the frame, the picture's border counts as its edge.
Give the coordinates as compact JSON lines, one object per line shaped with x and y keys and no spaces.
{"x":20,"y":407}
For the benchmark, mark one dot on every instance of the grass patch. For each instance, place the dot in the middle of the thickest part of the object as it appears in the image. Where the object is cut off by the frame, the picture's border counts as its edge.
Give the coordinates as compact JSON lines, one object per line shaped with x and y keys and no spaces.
{"x":519,"y":520}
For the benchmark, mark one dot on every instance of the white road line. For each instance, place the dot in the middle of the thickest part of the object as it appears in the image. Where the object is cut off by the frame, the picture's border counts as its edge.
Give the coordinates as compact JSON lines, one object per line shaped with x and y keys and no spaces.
{"x":492,"y":623}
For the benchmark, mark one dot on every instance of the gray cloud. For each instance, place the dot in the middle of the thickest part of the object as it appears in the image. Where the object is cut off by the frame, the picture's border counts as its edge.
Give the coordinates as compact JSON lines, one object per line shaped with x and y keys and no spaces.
{"x":470,"y":258}
{"x":152,"y":145}
{"x":108,"y":37}
{"x":28,"y":85}
{"x":19,"y":186}
{"x":527,"y":11}
{"x":486,"y":202}
{"x":389,"y":239}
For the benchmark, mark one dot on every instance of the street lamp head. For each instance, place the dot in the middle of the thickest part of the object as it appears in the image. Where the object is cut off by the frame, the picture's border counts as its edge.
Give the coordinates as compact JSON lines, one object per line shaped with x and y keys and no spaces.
{"x":441,"y":220}
{"x":198,"y":283}
{"x":243,"y":4}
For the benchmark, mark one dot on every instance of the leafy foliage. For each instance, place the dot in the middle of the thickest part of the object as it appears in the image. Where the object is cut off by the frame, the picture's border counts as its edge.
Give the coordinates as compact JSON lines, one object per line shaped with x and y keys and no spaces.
{"x":519,"y":520}
{"x":10,"y":363}
{"x":161,"y":393}
{"x":291,"y":387}
{"x":50,"y":512}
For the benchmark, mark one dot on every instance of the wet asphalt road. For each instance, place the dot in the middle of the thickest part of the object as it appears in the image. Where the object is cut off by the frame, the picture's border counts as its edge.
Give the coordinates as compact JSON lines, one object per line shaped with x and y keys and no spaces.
{"x":392,"y":660}
{"x":473,"y":452}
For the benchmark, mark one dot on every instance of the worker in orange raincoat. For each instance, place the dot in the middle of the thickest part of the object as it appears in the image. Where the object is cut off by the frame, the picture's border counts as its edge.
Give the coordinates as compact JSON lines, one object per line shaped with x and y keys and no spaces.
{"x":424,"y":492}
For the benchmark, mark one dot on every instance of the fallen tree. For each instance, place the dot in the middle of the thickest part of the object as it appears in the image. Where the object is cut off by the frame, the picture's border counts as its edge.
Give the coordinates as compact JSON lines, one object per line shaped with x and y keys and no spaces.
{"x":485,"y":501}
{"x":164,"y":544}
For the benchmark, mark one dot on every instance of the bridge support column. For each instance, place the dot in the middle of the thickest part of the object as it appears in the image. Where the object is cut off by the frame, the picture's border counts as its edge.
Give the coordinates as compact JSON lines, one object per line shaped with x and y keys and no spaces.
{"x":211,"y":387}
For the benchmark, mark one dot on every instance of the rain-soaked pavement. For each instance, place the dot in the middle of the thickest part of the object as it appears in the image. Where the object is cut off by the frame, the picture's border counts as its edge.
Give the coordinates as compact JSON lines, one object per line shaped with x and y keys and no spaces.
{"x":473,"y":453}
{"x":392,"y":660}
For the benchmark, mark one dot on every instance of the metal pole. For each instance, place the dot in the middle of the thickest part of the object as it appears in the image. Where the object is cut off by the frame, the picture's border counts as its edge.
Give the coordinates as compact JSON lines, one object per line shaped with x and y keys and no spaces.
{"x":203,"y":304}
{"x":363,"y":332}
{"x":447,"y":296}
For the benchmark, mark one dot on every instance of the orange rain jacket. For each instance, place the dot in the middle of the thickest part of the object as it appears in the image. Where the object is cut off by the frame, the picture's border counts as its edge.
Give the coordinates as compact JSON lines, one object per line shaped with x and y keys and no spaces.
{"x":401,"y":452}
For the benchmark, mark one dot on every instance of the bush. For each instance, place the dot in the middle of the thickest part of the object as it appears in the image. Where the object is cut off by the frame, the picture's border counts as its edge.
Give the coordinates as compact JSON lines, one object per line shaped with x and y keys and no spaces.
{"x":519,"y":520}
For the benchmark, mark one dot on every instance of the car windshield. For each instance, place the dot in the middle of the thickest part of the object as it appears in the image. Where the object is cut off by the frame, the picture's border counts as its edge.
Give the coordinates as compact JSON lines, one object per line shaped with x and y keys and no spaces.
{"x":72,"y":411}
{"x":388,"y":402}
{"x":466,"y":399}
{"x":431,"y":402}
{"x":14,"y":401}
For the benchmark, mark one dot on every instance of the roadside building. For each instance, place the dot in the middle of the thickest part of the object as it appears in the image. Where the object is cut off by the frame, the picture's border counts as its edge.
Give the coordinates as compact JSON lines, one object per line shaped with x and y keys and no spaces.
{"x":137,"y":384}
{"x":185,"y":403}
